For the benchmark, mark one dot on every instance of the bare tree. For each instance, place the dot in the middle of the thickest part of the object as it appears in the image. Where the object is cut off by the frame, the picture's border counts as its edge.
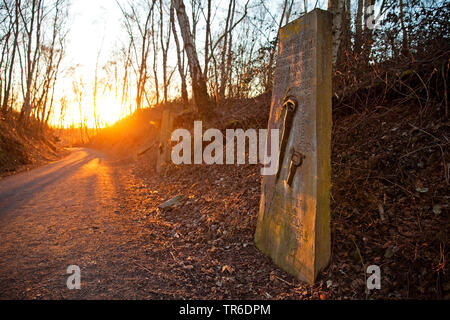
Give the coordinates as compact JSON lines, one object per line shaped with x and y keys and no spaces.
{"x":165,"y":41}
{"x":224,"y":51}
{"x":155,"y":58}
{"x":358,"y":28}
{"x":229,"y":70}
{"x":53,"y":55}
{"x":125,"y":85}
{"x":195,"y":16}
{"x":274,"y":44}
{"x":32,"y":19}
{"x":95,"y":93}
{"x":78,"y":88}
{"x":140,"y":45}
{"x":180,"y":63}
{"x":199,"y":90}
{"x":336,"y":7}
{"x":405,"y":46}
{"x":63,"y":102}
{"x":14,"y":24}
{"x":207,"y":37}
{"x":368,"y":32}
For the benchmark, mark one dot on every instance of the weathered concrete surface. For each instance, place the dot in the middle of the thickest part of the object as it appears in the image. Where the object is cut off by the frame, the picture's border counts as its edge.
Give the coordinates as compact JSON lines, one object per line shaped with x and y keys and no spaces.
{"x":164,"y":153}
{"x":294,"y":221}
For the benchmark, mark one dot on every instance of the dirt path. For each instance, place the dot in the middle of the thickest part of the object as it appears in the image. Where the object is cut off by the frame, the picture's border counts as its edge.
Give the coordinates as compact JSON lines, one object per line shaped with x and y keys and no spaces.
{"x":102,"y":215}
{"x":71,"y":212}
{"x":99,"y":214}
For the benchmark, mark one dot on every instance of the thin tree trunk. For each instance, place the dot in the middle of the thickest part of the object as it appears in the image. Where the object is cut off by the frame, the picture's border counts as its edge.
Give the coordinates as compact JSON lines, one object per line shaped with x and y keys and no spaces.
{"x":230,"y":54}
{"x":405,"y":47}
{"x":208,"y":31}
{"x":51,"y":72}
{"x":164,"y":48}
{"x":26,"y":108}
{"x":223,"y":75}
{"x":368,"y":33}
{"x":155,"y":58}
{"x":199,"y":90}
{"x":359,"y":28}
{"x":32,"y":59}
{"x":346,"y":41}
{"x":125,"y":81}
{"x":336,"y":8}
{"x":95,"y":93}
{"x":13,"y":57}
{"x":184,"y":94}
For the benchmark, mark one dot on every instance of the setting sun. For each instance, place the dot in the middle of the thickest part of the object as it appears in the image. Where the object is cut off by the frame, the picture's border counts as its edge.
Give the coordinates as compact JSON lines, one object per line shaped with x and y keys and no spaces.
{"x":109,"y":111}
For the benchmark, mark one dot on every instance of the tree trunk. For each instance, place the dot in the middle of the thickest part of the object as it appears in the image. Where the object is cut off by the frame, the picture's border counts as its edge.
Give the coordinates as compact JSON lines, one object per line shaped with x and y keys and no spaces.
{"x":199,"y":91}
{"x":155,"y":58}
{"x":336,"y":8}
{"x":229,"y":71}
{"x":405,"y":47}
{"x":346,"y":41}
{"x":223,"y":76}
{"x":184,"y":94}
{"x":13,"y":57}
{"x":164,"y":48}
{"x":26,"y":107}
{"x":358,"y":28}
{"x":208,"y":32}
{"x":368,"y":32}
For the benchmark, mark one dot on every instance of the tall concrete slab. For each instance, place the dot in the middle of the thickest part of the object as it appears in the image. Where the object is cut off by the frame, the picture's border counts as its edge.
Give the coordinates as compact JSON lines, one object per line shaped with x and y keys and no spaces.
{"x":164,"y":151}
{"x":294,"y":218}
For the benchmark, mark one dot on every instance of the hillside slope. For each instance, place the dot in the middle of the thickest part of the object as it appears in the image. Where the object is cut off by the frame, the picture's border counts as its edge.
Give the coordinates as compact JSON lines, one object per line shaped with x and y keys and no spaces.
{"x":389,"y":207}
{"x":25,"y":148}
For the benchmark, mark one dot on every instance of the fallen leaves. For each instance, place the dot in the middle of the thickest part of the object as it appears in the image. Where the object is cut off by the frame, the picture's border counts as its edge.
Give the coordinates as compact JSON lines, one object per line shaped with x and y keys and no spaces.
{"x":375,"y":201}
{"x":228,"y":269}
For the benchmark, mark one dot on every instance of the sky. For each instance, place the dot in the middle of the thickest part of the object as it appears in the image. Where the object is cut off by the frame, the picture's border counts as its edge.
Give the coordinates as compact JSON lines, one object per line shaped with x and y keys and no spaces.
{"x":94,"y":27}
{"x":97,"y":25}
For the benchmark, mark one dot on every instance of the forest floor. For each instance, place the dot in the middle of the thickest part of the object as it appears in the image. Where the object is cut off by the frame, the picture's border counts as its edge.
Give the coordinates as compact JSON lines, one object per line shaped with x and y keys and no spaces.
{"x":390,"y":208}
{"x":390,"y":205}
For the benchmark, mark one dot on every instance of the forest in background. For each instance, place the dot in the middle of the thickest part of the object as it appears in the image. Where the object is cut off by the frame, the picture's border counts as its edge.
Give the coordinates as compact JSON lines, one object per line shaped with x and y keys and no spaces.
{"x":199,"y":55}
{"x":179,"y":50}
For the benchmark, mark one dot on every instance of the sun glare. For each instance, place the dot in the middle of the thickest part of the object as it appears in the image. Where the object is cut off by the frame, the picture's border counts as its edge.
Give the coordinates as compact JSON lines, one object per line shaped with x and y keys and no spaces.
{"x":109,"y":111}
